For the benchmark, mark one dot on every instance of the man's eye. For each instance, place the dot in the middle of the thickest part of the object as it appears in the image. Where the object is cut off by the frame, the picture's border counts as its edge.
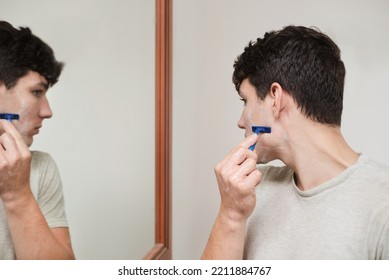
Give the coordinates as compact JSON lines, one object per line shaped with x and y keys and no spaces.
{"x":37,"y":92}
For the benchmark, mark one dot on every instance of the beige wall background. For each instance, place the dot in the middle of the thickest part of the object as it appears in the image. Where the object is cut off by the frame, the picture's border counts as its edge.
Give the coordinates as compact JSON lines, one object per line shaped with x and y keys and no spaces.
{"x":207,"y":37}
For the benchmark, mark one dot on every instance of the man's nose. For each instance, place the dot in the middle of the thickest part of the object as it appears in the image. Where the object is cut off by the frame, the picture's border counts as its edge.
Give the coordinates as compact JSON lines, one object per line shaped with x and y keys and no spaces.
{"x":45,"y":110}
{"x":241,"y":123}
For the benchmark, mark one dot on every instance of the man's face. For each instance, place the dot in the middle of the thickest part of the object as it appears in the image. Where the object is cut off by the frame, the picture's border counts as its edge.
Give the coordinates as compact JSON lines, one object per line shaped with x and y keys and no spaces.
{"x":256,"y":112}
{"x":28,"y":99}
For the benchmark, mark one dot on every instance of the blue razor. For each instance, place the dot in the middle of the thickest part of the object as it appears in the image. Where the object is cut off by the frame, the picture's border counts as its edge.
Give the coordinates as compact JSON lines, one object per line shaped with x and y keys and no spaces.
{"x":9,"y":117}
{"x":257,"y":130}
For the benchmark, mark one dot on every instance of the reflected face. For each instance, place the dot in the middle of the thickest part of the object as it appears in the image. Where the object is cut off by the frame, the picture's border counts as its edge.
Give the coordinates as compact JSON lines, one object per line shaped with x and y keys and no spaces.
{"x":28,"y":99}
{"x":259,"y":113}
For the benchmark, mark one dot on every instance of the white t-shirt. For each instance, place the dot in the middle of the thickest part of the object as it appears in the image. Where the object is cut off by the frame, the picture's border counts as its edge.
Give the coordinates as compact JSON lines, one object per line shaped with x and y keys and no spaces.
{"x":46,"y":187}
{"x":344,"y":218}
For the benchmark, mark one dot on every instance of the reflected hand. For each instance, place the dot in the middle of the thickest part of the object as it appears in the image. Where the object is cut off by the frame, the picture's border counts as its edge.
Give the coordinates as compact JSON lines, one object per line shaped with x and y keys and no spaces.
{"x":237,"y":177}
{"x":15,"y":161}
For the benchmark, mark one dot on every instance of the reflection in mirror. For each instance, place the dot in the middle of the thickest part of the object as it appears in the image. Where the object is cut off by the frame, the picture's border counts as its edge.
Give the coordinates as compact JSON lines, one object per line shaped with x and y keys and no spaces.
{"x":102,"y":133}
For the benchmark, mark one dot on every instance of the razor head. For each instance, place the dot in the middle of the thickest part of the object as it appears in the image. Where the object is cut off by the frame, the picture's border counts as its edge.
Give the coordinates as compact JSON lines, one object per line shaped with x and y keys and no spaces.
{"x":261,"y":129}
{"x":257,"y":130}
{"x":9,"y":116}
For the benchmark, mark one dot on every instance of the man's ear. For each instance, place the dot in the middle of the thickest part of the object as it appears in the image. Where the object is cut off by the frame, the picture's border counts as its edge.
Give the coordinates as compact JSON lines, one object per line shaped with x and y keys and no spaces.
{"x":277,"y":97}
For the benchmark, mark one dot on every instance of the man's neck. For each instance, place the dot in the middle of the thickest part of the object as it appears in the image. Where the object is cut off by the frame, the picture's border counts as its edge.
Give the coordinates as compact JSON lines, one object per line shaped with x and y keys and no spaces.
{"x":317,"y":153}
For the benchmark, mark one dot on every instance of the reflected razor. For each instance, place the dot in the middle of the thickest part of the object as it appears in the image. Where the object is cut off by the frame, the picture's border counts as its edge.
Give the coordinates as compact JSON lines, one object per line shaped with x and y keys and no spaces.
{"x":9,"y":117}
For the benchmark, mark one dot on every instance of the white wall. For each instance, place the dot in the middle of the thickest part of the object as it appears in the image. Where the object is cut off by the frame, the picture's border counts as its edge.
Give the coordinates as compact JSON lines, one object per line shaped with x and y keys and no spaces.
{"x":102,"y":132}
{"x":207,"y":37}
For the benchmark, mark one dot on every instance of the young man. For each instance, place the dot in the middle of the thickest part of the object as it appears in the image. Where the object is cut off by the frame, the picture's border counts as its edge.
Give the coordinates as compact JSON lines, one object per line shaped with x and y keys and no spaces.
{"x":33,"y":223}
{"x":328,"y":202}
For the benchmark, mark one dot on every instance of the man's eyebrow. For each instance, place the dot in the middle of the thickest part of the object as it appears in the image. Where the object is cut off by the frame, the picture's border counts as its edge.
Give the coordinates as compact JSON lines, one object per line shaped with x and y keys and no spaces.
{"x":44,"y":84}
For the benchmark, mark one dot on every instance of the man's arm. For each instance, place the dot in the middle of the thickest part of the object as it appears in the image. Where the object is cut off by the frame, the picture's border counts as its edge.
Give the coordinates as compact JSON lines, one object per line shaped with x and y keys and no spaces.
{"x":237,"y":177}
{"x":31,"y":236}
{"x":226,"y":240}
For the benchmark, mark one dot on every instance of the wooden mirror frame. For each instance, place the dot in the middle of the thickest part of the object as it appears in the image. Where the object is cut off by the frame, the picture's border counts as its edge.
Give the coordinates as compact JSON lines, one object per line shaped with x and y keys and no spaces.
{"x":163,"y":133}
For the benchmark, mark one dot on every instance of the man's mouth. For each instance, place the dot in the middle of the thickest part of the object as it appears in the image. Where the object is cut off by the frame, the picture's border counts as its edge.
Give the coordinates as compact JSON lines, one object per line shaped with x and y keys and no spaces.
{"x":36,"y":129}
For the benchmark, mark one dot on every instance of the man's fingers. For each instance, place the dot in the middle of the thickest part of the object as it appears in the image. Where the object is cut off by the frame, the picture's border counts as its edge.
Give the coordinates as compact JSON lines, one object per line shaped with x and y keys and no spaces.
{"x":241,"y":152}
{"x":8,"y":144}
{"x":8,"y":127}
{"x":13,"y":140}
{"x":240,"y":160}
{"x":250,"y":140}
{"x":254,"y":178}
{"x":247,"y":167}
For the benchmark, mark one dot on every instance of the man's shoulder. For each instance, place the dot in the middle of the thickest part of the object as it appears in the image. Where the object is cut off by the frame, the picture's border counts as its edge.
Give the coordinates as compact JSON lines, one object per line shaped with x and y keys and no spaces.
{"x":41,"y":160}
{"x":372,"y":169}
{"x":369,"y":183}
{"x":40,"y":156}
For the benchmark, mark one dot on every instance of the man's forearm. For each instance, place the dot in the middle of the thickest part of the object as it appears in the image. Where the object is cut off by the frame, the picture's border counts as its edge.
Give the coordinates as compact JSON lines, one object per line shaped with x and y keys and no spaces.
{"x":237,"y":176}
{"x":31,"y":236}
{"x":226,"y":240}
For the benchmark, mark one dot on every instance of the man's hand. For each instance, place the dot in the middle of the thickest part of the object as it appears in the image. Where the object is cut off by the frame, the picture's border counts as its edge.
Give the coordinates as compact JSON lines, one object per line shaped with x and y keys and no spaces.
{"x":237,"y":176}
{"x":15,"y":161}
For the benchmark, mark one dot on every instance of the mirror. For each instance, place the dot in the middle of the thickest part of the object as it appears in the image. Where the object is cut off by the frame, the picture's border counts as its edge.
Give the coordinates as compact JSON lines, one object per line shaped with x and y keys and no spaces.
{"x":110,"y":132}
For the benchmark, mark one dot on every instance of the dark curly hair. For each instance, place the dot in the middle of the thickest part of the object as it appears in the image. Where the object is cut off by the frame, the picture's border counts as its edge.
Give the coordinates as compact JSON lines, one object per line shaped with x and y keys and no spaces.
{"x":305,"y":62}
{"x":21,"y":51}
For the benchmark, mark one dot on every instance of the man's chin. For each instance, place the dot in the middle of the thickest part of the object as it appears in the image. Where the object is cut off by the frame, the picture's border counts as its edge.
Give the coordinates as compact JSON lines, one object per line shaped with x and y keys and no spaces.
{"x":28,"y":141}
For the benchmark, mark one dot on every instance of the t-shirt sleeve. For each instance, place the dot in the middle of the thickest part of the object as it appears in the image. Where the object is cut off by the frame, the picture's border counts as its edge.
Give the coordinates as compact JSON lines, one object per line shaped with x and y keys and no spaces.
{"x":50,"y":196}
{"x":383,"y":243}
